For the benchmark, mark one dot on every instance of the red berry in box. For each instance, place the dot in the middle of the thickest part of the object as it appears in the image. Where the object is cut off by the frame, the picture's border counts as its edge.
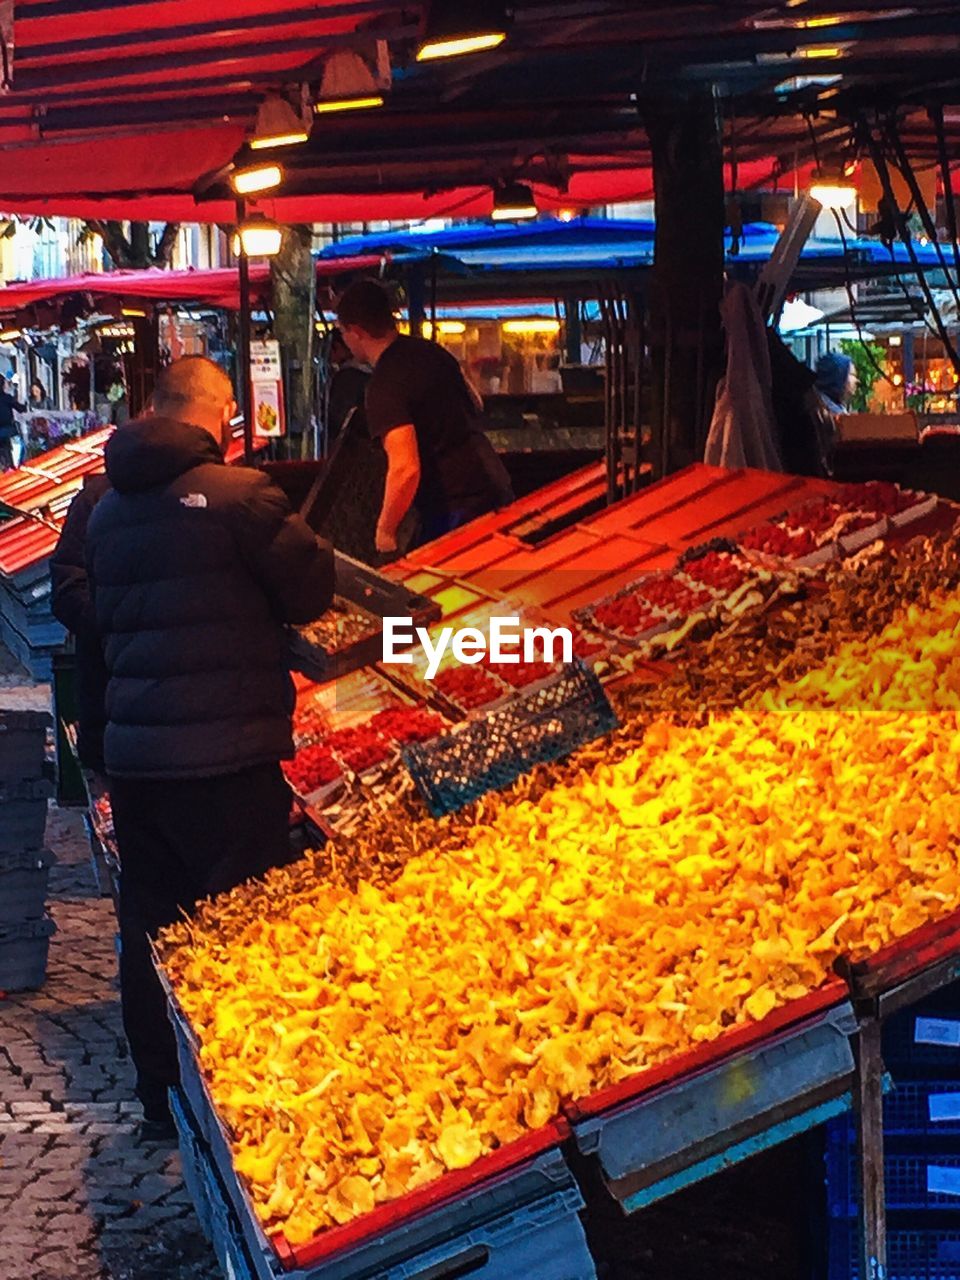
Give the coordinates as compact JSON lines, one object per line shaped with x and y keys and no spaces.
{"x":716,"y":569}
{"x":879,"y":497}
{"x":520,"y":674}
{"x":359,"y":748}
{"x":628,"y":614}
{"x":818,"y":515}
{"x":468,"y":687}
{"x":673,"y":596}
{"x":311,"y":768}
{"x":407,"y":724}
{"x":777,"y":540}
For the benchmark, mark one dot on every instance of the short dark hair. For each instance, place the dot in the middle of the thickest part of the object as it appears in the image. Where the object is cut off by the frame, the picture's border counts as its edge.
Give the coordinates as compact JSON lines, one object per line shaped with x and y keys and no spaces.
{"x":189,"y":381}
{"x":367,"y":305}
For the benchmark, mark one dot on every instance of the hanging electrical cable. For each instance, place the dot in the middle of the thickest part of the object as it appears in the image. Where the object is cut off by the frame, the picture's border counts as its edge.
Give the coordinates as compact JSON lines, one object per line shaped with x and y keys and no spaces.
{"x":852,"y":304}
{"x":883,"y":173}
{"x":906,"y":170}
{"x":950,"y":208}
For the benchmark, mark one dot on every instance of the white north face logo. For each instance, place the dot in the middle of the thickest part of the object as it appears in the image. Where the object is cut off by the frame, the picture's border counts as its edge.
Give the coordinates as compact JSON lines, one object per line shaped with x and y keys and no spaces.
{"x":194,"y":500}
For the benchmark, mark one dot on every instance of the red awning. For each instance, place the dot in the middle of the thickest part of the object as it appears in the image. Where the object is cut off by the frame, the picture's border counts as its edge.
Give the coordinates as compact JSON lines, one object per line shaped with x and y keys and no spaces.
{"x":216,"y":288}
{"x":119,"y":108}
{"x":585,"y":189}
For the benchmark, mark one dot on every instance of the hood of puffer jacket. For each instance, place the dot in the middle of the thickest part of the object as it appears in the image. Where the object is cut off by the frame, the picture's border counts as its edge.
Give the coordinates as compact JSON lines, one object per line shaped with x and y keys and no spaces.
{"x":149,"y":452}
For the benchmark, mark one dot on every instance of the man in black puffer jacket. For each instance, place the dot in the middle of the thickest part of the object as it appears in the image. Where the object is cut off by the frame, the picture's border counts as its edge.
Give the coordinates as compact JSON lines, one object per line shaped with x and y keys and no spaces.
{"x":71,"y":604}
{"x":195,"y":568}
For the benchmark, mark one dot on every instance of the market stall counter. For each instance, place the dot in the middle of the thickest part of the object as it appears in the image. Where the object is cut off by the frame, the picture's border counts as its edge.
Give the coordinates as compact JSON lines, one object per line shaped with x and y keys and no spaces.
{"x":707,"y":836}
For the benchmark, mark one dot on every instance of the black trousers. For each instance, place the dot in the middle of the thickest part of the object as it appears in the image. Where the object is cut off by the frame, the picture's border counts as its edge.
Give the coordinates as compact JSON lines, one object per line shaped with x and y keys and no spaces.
{"x":181,"y":841}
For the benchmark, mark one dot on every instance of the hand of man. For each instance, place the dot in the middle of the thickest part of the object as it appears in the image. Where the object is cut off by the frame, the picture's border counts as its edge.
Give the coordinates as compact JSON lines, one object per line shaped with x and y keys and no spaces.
{"x":385,"y":541}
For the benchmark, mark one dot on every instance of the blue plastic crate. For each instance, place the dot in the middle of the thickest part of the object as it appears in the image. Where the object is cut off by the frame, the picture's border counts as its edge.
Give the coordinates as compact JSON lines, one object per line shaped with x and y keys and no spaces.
{"x":23,"y":814}
{"x":225,"y":1235}
{"x":543,"y":1239}
{"x":911,"y":1255}
{"x":912,"y":1109}
{"x":904,"y":1055}
{"x":23,"y":954}
{"x":22,"y":741}
{"x":192,"y":1160}
{"x":23,"y":885}
{"x":906,"y":1176}
{"x":923,"y":1108}
{"x":510,"y":1220}
{"x":491,"y":753}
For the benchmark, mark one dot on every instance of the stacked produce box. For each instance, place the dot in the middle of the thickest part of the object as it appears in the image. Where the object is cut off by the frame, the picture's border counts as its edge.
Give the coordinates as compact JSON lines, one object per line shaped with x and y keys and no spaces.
{"x":25,"y":928}
{"x":34,"y":500}
{"x":349,"y":736}
{"x":921,"y":1051}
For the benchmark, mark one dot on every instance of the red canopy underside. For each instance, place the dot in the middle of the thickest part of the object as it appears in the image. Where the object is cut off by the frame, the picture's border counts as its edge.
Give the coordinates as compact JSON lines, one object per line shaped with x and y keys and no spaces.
{"x":151,"y":179}
{"x":119,"y":107}
{"x":218,"y":288}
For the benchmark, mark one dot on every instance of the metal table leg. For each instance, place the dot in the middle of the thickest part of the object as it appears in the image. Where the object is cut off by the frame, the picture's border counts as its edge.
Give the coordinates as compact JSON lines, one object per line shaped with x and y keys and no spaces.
{"x":869,"y":1107}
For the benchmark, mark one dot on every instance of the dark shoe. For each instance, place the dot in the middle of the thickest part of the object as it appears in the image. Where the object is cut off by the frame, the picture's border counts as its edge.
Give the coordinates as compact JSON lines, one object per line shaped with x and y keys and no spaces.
{"x":157,"y":1131}
{"x":156,"y":1108}
{"x":157,"y":1124}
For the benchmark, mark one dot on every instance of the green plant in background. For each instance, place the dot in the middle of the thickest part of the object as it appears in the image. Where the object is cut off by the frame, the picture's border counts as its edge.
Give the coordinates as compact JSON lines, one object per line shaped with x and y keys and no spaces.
{"x":867,"y":358}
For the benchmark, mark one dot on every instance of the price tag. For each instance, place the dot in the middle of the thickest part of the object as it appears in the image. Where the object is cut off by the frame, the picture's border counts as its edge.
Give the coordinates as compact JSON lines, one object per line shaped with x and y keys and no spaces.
{"x":943,"y":1181}
{"x":944,"y":1106}
{"x":942,"y":1031}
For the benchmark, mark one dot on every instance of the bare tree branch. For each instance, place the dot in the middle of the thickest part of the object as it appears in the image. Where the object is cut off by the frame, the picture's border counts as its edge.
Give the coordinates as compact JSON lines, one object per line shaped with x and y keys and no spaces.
{"x":166,"y":245}
{"x":135,"y":250}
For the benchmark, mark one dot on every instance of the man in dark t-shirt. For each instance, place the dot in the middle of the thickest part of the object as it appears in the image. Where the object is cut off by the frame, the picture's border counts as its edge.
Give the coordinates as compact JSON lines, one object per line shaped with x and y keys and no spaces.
{"x":422,"y":410}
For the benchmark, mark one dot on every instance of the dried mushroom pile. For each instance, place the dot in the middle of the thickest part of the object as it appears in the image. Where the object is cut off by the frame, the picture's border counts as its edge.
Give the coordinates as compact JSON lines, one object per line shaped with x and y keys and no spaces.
{"x":715,"y":675}
{"x":340,"y":627}
{"x":598,"y":919}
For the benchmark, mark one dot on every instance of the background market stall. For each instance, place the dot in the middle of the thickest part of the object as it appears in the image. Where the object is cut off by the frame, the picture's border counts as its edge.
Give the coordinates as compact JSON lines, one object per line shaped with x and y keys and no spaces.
{"x":34,"y":500}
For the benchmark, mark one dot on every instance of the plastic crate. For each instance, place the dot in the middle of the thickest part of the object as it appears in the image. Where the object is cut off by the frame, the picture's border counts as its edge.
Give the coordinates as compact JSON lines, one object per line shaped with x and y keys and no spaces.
{"x":23,"y":885}
{"x":542,"y":1239}
{"x":23,"y":954}
{"x":911,"y":1255}
{"x":904,"y":1055}
{"x":23,"y":815}
{"x":23,"y":737}
{"x":491,"y":753}
{"x":192,"y":1160}
{"x":906,"y":1177}
{"x":907,"y":1109}
{"x":525,"y":1197}
{"x":103,"y":861}
{"x":926,"y":1109}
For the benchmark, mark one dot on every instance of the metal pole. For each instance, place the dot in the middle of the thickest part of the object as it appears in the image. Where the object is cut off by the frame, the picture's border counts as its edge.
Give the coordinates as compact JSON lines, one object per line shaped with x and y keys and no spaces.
{"x":433,"y":297}
{"x":243,"y":355}
{"x":573,"y":333}
{"x":416,"y":291}
{"x":869,"y":1106}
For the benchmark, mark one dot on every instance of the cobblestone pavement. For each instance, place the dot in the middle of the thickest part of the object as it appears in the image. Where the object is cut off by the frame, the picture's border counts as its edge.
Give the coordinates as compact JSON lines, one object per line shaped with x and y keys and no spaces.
{"x":80,"y":1197}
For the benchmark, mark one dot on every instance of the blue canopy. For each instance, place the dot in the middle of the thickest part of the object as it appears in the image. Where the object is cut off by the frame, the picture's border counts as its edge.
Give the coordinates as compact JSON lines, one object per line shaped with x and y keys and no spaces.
{"x":600,"y":244}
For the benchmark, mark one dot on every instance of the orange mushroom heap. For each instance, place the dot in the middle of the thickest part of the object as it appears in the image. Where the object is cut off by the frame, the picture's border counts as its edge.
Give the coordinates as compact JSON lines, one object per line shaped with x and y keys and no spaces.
{"x":361,"y":1043}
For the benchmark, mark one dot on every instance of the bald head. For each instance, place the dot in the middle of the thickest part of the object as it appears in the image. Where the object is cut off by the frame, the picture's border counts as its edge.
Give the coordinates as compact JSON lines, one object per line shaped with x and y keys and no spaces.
{"x":196,"y":390}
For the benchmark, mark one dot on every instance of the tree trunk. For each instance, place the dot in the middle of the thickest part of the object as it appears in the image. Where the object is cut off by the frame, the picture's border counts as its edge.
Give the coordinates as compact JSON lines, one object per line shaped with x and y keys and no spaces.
{"x":136,"y":250}
{"x":686,"y":341}
{"x":294,"y":280}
